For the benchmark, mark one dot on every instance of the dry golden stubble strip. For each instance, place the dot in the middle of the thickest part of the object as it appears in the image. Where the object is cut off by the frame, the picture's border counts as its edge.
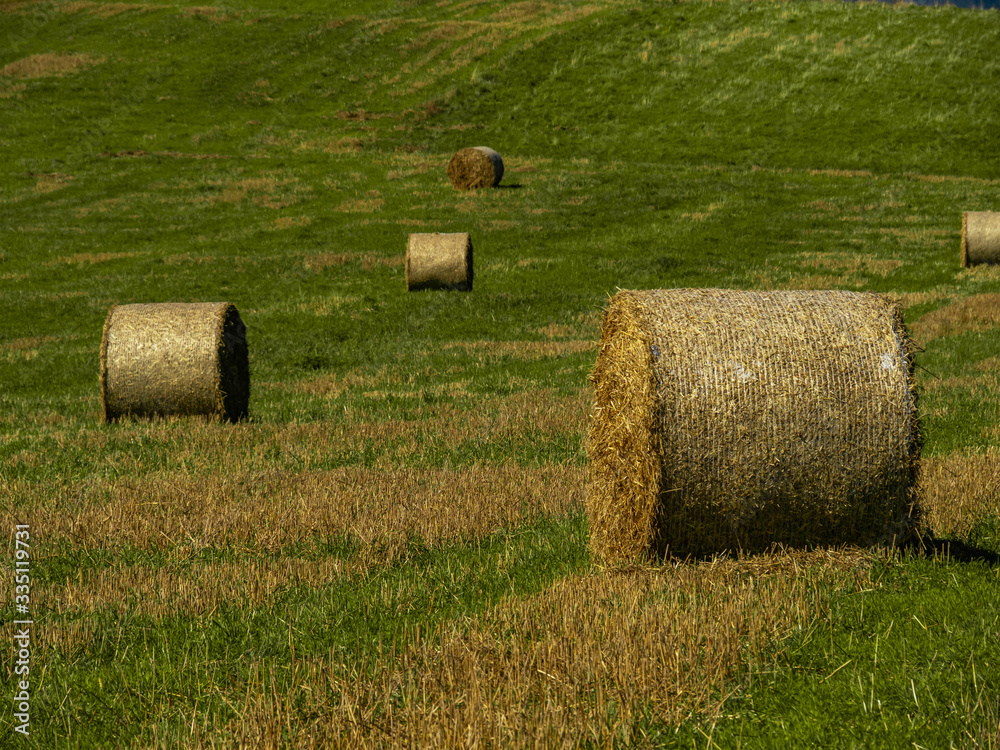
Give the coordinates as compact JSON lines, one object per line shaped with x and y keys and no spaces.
{"x":526,"y":350}
{"x":542,"y":671}
{"x":383,"y":509}
{"x":984,"y":385}
{"x":49,"y":64}
{"x":236,"y":449}
{"x":193,"y":590}
{"x":268,"y":510}
{"x":972,"y":314}
{"x":188,"y":589}
{"x":960,"y":489}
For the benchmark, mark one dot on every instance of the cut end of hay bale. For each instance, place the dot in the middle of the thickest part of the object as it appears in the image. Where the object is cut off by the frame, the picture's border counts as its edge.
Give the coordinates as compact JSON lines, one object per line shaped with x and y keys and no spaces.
{"x":439,"y":261}
{"x":175,"y":359}
{"x":964,"y":252}
{"x":624,"y":447}
{"x":980,"y":238}
{"x":473,"y":168}
{"x":727,"y":420}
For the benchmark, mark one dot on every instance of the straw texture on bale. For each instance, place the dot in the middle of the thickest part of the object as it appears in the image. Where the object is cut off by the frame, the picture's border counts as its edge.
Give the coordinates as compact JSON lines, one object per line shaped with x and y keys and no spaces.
{"x":728,"y":420}
{"x":980,"y":238}
{"x":475,"y":167}
{"x":175,"y":359}
{"x":439,"y":261}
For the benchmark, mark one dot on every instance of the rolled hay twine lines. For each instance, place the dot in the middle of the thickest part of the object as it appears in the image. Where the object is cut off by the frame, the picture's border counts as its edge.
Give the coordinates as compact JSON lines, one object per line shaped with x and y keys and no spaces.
{"x":439,"y":261}
{"x":171,"y":358}
{"x":980,"y":238}
{"x":729,"y":420}
{"x":476,"y":167}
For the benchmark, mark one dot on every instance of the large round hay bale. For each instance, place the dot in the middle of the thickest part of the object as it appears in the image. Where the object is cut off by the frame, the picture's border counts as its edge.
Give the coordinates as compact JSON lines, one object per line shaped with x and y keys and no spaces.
{"x":980,"y":237}
{"x":728,"y":420}
{"x":175,"y":359}
{"x":476,"y":167}
{"x":439,"y":261}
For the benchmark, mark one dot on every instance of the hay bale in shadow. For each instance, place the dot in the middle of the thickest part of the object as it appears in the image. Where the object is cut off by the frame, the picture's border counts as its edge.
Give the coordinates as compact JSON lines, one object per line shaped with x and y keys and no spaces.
{"x":476,"y":167}
{"x":728,"y":420}
{"x":439,"y":261}
{"x":980,"y":238}
{"x":175,"y":359}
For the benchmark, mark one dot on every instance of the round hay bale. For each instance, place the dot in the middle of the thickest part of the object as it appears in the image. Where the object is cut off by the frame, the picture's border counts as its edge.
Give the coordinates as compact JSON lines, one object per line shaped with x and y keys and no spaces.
{"x":439,"y":261}
{"x":175,"y":359}
{"x":728,"y":420}
{"x":980,"y":238}
{"x":476,"y":167}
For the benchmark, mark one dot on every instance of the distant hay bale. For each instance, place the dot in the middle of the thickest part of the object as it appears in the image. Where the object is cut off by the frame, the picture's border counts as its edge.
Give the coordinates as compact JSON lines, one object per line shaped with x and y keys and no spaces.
{"x":439,"y":261}
{"x":980,"y":238}
{"x":728,"y":420}
{"x":175,"y":359}
{"x":476,"y":167}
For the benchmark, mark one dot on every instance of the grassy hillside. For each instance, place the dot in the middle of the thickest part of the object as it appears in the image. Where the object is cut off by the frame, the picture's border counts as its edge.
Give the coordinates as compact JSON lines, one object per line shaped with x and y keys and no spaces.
{"x":393,"y":548}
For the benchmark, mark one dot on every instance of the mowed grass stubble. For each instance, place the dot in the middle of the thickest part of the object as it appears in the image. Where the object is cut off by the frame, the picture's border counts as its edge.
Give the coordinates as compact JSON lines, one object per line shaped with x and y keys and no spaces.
{"x":393,"y":547}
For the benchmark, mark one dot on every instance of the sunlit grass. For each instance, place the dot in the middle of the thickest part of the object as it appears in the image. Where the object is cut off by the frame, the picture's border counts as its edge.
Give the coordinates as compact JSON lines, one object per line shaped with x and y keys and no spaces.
{"x":392,"y":548}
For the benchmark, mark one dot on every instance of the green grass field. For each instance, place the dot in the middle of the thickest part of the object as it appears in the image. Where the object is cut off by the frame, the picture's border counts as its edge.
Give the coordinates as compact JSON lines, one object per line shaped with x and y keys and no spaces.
{"x":392,"y":550}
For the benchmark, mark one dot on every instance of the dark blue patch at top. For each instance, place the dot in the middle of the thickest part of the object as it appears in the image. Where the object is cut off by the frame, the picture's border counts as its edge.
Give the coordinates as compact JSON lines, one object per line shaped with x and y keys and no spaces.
{"x":972,"y":4}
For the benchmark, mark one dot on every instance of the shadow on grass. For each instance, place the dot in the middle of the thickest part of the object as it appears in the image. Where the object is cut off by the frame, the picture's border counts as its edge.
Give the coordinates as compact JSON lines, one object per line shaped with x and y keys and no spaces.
{"x":953,"y":549}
